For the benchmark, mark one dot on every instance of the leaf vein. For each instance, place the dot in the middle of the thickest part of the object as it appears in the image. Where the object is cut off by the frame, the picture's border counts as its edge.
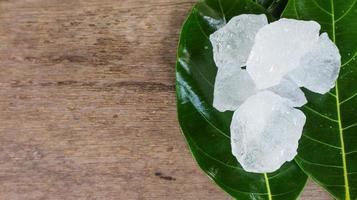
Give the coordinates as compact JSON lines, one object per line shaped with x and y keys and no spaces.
{"x":213,"y":158}
{"x":200,"y":26}
{"x":222,"y":11}
{"x":345,"y":173}
{"x":295,"y":9}
{"x":349,"y":98}
{"x":257,"y":193}
{"x":326,"y":144}
{"x":321,"y":8}
{"x":203,"y":76}
{"x":349,"y":60}
{"x":283,"y":193}
{"x":267,"y":186}
{"x":332,"y":94}
{"x":319,"y":164}
{"x":350,"y":126}
{"x":351,"y":152}
{"x":348,"y":10}
{"x":204,"y":117}
{"x":321,"y":115}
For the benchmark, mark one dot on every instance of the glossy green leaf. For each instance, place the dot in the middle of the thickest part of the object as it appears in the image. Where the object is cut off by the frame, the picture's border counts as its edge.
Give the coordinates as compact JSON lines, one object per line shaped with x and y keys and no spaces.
{"x":207,"y":130}
{"x":274,"y":7}
{"x":328,"y":148}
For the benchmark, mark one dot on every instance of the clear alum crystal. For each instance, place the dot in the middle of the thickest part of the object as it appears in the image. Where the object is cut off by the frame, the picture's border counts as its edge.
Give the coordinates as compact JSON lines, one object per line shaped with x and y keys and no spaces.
{"x":232,"y":43}
{"x":265,"y":132}
{"x":234,"y":85}
{"x":319,"y":67}
{"x":278,"y":48}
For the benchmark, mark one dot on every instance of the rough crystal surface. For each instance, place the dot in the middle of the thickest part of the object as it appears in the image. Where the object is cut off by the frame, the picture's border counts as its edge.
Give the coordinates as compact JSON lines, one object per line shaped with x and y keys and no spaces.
{"x":278,"y":48}
{"x":291,"y":91}
{"x":232,"y":87}
{"x":319,"y":67}
{"x":265,"y":131}
{"x":233,"y":42}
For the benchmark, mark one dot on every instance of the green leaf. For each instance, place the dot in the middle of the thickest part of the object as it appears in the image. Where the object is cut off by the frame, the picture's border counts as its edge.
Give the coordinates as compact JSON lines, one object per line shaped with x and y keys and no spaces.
{"x":328,"y":149}
{"x":207,"y":130}
{"x":275,"y":7}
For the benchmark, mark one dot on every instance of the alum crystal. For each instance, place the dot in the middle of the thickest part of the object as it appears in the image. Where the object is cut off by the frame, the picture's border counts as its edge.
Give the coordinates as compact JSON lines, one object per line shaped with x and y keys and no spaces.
{"x":234,"y":85}
{"x":319,"y":67}
{"x":280,"y":58}
{"x":265,"y":132}
{"x":232,"y":43}
{"x":278,"y":48}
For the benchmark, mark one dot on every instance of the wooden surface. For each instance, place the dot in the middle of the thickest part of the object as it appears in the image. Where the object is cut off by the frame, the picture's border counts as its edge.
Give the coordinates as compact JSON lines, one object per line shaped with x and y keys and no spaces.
{"x":87,"y":103}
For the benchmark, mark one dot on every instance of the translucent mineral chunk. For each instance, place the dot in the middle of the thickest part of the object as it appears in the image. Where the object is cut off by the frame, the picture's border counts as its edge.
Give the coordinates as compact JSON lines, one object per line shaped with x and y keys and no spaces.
{"x":265,"y":132}
{"x":319,"y":67}
{"x":232,"y":43}
{"x":232,"y":87}
{"x":291,"y":91}
{"x":278,"y":49}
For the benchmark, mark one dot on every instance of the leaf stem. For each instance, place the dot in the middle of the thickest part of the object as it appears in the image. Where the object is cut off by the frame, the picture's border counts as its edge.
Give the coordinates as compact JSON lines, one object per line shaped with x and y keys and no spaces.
{"x":268,"y":186}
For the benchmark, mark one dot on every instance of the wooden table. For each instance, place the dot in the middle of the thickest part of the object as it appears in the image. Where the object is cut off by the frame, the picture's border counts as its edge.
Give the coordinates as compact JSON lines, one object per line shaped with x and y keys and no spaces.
{"x":87,"y":103}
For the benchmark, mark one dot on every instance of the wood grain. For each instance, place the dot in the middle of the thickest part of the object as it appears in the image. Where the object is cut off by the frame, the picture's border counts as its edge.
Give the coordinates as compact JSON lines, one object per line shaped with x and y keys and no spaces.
{"x":87,"y":103}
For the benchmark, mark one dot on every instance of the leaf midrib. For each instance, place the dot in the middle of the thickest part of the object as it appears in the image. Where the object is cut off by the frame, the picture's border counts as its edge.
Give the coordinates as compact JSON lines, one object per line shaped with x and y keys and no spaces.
{"x":268,"y":186}
{"x":343,"y":154}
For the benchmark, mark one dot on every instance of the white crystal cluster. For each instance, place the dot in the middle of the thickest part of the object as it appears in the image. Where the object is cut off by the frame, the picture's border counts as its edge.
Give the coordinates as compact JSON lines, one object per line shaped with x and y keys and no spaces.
{"x":279,"y":58}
